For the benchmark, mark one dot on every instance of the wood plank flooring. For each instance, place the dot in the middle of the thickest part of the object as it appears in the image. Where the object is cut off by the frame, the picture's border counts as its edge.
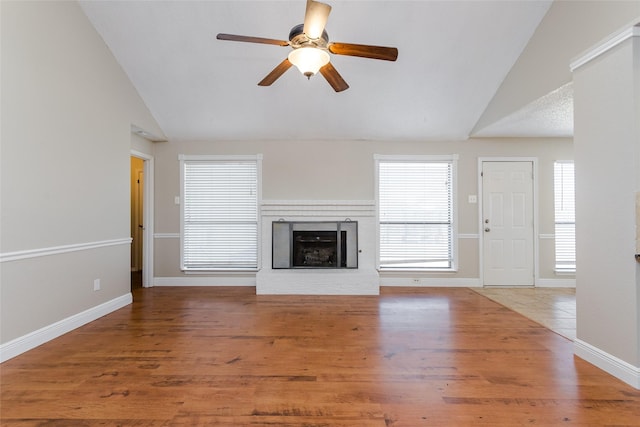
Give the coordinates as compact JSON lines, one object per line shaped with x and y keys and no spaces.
{"x":224,"y":356}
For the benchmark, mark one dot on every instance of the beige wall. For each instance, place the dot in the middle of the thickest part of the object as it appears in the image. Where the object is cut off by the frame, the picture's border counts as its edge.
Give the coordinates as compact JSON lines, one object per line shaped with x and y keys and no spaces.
{"x":607,"y":156}
{"x":67,"y":108}
{"x":344,"y":170}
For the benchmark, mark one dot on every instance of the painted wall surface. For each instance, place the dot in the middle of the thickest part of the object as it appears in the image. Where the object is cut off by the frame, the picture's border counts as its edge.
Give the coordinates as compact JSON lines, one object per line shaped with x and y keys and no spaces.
{"x":141,"y":144}
{"x":67,"y":108}
{"x":344,"y":170}
{"x":607,"y":156}
{"x":568,"y":29}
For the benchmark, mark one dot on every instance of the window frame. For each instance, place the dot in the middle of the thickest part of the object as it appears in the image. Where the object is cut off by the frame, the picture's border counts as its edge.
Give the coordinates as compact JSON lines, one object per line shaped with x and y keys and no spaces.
{"x":453,"y":160}
{"x":558,"y":268}
{"x":184,"y":159}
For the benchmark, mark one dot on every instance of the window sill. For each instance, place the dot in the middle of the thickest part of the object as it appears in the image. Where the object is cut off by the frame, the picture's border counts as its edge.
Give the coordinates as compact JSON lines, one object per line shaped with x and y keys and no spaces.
{"x":222,"y":271}
{"x":565,"y":272}
{"x":385,"y":271}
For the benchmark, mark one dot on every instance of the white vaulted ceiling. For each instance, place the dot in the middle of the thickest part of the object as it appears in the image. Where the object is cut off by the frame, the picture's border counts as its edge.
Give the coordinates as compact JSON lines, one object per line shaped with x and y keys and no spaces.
{"x":453,"y":56}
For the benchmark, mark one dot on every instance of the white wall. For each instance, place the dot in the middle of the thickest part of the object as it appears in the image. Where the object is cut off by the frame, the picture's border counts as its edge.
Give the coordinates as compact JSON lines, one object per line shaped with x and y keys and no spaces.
{"x":67,"y":108}
{"x":607,"y":156}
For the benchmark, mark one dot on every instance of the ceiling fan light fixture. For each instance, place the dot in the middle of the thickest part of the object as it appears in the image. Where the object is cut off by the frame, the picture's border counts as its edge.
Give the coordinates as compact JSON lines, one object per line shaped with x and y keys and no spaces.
{"x":309,"y":60}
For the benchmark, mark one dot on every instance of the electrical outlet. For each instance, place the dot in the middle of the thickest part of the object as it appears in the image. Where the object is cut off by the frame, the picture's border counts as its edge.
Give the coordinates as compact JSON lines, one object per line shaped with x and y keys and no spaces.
{"x":96,"y":285}
{"x":415,"y":281}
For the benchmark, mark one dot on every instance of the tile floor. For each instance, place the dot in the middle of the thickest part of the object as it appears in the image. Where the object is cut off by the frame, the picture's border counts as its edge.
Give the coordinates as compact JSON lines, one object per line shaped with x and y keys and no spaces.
{"x":554,"y":308}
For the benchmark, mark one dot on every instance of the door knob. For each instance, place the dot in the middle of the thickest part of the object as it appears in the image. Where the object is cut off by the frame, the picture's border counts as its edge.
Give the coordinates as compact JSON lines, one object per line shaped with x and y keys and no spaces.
{"x":487,"y":229}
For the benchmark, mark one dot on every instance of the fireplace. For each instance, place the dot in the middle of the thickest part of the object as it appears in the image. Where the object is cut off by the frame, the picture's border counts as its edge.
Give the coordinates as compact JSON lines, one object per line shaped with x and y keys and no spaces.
{"x":317,"y":249}
{"x":316,"y":244}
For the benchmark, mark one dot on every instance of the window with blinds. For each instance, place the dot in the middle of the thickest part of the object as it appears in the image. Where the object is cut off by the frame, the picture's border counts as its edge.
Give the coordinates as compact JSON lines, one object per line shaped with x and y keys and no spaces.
{"x":415,"y":212}
{"x":565,"y":216}
{"x":220,"y":197}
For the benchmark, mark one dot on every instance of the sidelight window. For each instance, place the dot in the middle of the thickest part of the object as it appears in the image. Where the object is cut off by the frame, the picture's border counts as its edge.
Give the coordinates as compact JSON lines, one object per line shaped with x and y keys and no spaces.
{"x":565,"y":216}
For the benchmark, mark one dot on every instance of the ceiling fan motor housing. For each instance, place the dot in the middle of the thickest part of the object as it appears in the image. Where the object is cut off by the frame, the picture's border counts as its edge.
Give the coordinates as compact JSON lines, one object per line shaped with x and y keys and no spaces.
{"x":298,"y":38}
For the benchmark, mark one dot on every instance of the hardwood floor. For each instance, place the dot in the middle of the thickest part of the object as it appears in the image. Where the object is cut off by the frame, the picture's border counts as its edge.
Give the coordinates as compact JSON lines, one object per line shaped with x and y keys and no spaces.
{"x":224,"y":356}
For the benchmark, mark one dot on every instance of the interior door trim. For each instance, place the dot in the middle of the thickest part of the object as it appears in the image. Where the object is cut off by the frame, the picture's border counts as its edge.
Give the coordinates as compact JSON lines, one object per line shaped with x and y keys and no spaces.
{"x":148,"y":217}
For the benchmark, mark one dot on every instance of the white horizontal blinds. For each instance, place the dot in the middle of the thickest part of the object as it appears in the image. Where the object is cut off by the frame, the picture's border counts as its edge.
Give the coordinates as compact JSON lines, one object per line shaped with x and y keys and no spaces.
{"x":415,"y":213}
{"x":565,"y":216}
{"x":220,"y":207}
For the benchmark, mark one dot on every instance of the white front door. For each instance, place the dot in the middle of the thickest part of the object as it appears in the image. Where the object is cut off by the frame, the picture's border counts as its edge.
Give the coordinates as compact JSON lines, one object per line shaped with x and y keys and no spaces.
{"x":507,"y":223}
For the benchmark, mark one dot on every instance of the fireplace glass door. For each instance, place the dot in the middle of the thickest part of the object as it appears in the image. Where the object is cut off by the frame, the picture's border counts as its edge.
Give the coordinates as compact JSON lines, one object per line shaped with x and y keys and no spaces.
{"x":315,"y":245}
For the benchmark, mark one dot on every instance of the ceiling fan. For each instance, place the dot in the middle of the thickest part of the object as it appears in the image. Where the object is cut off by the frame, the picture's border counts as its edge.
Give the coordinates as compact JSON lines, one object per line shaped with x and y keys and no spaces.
{"x":311,"y":48}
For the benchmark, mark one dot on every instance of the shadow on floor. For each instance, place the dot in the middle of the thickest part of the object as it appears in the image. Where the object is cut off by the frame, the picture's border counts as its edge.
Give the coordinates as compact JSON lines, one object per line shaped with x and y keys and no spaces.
{"x":136,"y":280}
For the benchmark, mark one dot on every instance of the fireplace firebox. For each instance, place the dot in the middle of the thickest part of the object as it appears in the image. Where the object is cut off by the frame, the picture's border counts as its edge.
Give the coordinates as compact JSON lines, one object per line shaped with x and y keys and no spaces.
{"x":316,"y":244}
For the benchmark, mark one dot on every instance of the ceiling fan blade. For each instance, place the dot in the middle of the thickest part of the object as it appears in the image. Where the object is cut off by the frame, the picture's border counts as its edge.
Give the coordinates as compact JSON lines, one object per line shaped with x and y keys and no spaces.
{"x":276,"y":73}
{"x":364,"y":51}
{"x":334,"y":78}
{"x":315,"y":18}
{"x":249,"y":39}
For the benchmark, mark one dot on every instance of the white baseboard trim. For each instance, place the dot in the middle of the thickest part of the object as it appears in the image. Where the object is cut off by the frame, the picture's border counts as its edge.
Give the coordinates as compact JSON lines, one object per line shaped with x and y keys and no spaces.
{"x":384,"y":281}
{"x":249,"y":280}
{"x":430,"y":282}
{"x":33,"y":339}
{"x":556,"y":283}
{"x":617,"y":367}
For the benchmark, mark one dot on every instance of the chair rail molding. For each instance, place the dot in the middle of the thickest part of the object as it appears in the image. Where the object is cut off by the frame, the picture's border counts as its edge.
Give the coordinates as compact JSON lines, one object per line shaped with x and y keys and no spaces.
{"x":56,"y":250}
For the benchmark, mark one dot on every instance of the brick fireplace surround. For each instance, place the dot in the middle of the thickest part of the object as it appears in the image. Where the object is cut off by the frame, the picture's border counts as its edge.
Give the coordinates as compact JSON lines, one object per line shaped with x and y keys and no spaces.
{"x":363,"y":280}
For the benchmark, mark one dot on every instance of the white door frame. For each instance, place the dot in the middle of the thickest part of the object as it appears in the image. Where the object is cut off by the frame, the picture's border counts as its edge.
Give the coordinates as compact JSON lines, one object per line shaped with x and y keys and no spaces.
{"x":534,"y":161}
{"x":147,"y":232}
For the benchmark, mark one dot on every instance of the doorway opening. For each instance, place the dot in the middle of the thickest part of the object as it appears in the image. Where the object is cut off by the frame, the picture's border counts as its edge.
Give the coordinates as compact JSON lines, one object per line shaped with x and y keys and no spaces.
{"x":137,"y":220}
{"x":141,"y":176}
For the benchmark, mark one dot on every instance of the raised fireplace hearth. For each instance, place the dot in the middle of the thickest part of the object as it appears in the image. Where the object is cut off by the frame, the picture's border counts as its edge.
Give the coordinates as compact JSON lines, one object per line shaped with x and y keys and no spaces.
{"x":314,"y":244}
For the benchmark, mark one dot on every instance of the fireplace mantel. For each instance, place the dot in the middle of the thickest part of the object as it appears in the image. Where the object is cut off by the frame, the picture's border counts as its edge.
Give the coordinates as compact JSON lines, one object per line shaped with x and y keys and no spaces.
{"x":363,"y":280}
{"x":318,"y":208}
